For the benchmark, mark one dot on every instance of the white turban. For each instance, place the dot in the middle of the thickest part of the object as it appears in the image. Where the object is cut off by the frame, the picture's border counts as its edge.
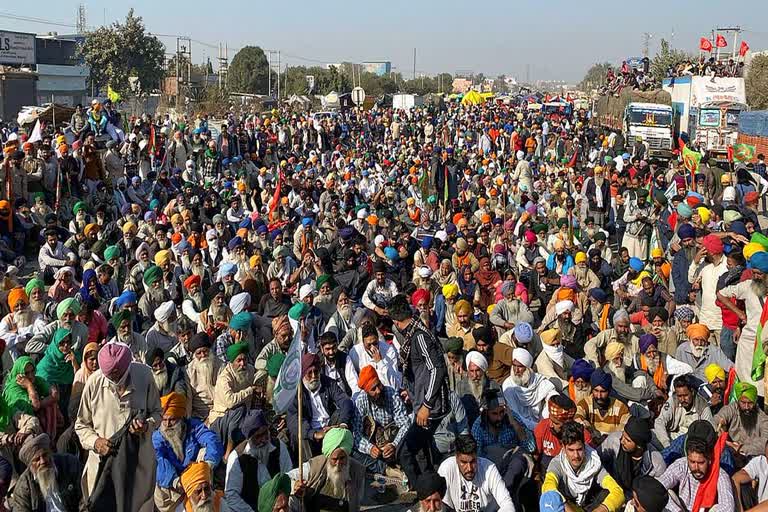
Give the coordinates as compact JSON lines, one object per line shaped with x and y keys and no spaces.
{"x":239,"y":302}
{"x":305,"y":291}
{"x":520,"y":155}
{"x":60,"y":273}
{"x":378,"y":240}
{"x":563,"y":306}
{"x":362,"y":214}
{"x":523,"y":357}
{"x":140,"y":249}
{"x":164,"y":311}
{"x":425,"y":272}
{"x":477,"y":359}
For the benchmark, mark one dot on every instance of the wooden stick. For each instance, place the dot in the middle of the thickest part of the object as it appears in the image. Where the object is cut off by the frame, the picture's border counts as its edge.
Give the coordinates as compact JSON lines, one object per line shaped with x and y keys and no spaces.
{"x":300,"y":442}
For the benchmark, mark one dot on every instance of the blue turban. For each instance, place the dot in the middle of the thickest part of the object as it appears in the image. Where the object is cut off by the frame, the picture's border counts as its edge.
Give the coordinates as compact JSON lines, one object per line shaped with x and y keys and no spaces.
{"x":235,"y":242}
{"x":759,"y":261}
{"x":523,"y":332}
{"x":262,"y":229}
{"x":601,"y":379}
{"x":684,"y":210}
{"x":636,"y":264}
{"x":582,"y":369}
{"x":227,"y":269}
{"x":127,"y":297}
{"x":306,"y":222}
{"x":427,"y":242}
{"x":246,"y":223}
{"x":252,"y":422}
{"x":507,"y":287}
{"x":183,"y":246}
{"x":391,"y":253}
{"x":686,"y":231}
{"x":275,"y":234}
{"x":599,"y":295}
{"x":241,"y":321}
{"x":645,"y":342}
{"x":450,"y":228}
{"x":739,"y":228}
{"x":346,"y":233}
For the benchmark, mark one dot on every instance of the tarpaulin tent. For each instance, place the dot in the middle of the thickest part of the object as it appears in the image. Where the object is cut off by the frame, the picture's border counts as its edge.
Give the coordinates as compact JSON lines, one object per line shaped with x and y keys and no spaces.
{"x":472,"y":98}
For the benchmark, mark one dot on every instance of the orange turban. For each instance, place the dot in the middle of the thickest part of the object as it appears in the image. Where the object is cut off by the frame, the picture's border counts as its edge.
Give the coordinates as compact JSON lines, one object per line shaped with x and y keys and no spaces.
{"x":91,"y":228}
{"x":368,"y":378}
{"x":697,"y":331}
{"x":196,"y":473}
{"x":191,"y":281}
{"x":16,"y":295}
{"x":566,"y":294}
{"x":174,"y":405}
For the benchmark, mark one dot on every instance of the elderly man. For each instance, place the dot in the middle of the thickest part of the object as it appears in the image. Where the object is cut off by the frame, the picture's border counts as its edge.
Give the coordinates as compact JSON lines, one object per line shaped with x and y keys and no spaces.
{"x":258,"y":460}
{"x":683,"y":408}
{"x":162,"y":334}
{"x":324,"y":406}
{"x":470,"y":389}
{"x":123,"y":323}
{"x":498,"y":355}
{"x":168,"y":376}
{"x":19,"y":325}
{"x":562,"y":320}
{"x":239,"y":331}
{"x":119,"y":398}
{"x":178,"y":443}
{"x":526,"y":391}
{"x":656,"y":364}
{"x":622,"y":332}
{"x":283,"y":335}
{"x":380,"y":425}
{"x":553,"y":363}
{"x":600,"y":413}
{"x":464,"y":324}
{"x":474,"y":483}
{"x":629,"y":384}
{"x":579,"y":386}
{"x":333,"y":476}
{"x":154,"y":293}
{"x":232,"y":396}
{"x":49,"y":480}
{"x":629,"y":454}
{"x":578,"y":474}
{"x":510,"y":310}
{"x":340,"y":321}
{"x":745,"y":422}
{"x":66,"y":312}
{"x":194,"y":302}
{"x":375,"y":352}
{"x":197,"y":484}
{"x":202,"y":371}
{"x":699,"y":353}
{"x":274,"y":496}
{"x":430,"y":492}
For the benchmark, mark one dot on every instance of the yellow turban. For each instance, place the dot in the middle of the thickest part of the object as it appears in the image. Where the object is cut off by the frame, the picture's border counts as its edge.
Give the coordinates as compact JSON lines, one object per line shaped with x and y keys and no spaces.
{"x":489,"y":309}
{"x":91,"y":228}
{"x":549,"y":336}
{"x":612,"y":350}
{"x":129,"y":227}
{"x":752,"y":248}
{"x":558,"y":244}
{"x":162,"y":257}
{"x":712,"y":372}
{"x":697,"y":331}
{"x":704,"y":214}
{"x":463,"y":307}
{"x":195,"y":474}
{"x":580,"y":257}
{"x":450,"y":290}
{"x":657,"y":252}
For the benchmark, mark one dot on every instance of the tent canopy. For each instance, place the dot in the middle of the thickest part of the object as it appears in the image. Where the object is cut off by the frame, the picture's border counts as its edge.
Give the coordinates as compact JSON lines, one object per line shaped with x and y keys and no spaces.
{"x":472,"y":98}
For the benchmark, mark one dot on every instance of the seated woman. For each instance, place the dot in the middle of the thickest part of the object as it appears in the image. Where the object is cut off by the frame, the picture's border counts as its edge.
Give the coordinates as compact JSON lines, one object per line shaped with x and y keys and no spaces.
{"x":24,"y":393}
{"x":58,"y":367}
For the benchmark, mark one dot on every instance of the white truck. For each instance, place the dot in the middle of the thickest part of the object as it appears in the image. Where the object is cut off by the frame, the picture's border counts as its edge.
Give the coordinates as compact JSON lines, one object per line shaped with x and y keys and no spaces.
{"x":707,"y":109}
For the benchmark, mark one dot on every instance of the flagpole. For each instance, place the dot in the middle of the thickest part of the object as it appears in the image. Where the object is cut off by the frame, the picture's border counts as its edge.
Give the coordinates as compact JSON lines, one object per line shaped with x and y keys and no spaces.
{"x":299,"y":440}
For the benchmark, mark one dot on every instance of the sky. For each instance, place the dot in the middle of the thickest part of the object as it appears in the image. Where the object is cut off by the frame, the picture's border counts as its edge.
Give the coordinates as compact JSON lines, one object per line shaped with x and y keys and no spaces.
{"x":553,"y":40}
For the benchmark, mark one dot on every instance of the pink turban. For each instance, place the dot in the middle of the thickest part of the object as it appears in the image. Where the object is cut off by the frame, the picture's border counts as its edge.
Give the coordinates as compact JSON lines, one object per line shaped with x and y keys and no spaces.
{"x":569,"y":281}
{"x":530,"y":237}
{"x":114,"y":356}
{"x":510,"y":224}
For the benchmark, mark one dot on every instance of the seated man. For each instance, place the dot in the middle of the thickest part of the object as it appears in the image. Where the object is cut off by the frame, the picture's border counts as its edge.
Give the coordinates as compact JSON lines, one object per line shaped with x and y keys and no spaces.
{"x":756,"y":471}
{"x":498,"y":355}
{"x":622,"y":332}
{"x":526,"y":391}
{"x":168,"y":376}
{"x":333,"y":479}
{"x":706,"y":432}
{"x":602,"y":414}
{"x":657,"y":365}
{"x":745,"y":422}
{"x":274,"y":496}
{"x":683,"y":408}
{"x":380,"y":425}
{"x":178,"y":443}
{"x":232,"y":396}
{"x":714,"y":389}
{"x":333,"y":361}
{"x":324,"y":406}
{"x":685,"y":476}
{"x":464,"y":324}
{"x":699,"y":353}
{"x":430,"y":492}
{"x":470,"y":389}
{"x":474,"y":483}
{"x":579,"y":386}
{"x":648,"y":495}
{"x":201,"y":372}
{"x":548,"y":432}
{"x":253,"y":464}
{"x":66,"y":312}
{"x":578,"y":475}
{"x":628,"y":455}
{"x":197,"y":483}
{"x":629,"y":385}
{"x":553,"y":362}
{"x":49,"y":478}
{"x":375,"y":352}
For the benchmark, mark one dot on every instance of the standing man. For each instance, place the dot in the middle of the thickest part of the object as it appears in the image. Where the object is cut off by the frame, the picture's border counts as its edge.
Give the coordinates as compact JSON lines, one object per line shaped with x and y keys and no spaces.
{"x":708,"y":265}
{"x":424,"y":377}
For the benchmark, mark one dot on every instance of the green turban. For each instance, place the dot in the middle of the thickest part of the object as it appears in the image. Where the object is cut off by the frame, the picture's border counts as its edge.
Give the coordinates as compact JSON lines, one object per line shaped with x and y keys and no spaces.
{"x":274,"y":363}
{"x":337,"y":438}
{"x":454,"y":345}
{"x":34,"y":284}
{"x":80,"y":205}
{"x":235,"y":350}
{"x":271,"y":490}
{"x":298,"y":310}
{"x":119,"y":316}
{"x":111,"y":252}
{"x":321,"y":280}
{"x":241,"y":321}
{"x":761,"y":239}
{"x":60,"y":334}
{"x":70,"y":304}
{"x":745,"y":389}
{"x":153,"y":274}
{"x":538,"y":228}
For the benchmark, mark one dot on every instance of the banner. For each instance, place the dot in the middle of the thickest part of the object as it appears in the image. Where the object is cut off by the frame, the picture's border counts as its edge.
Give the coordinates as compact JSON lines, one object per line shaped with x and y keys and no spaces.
{"x":743,"y":153}
{"x":113,"y":95}
{"x":290,"y":373}
{"x":720,"y":42}
{"x":705,"y":45}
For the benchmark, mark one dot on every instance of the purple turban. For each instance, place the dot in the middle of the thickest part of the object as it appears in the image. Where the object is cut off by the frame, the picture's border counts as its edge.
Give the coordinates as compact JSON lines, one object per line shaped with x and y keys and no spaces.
{"x":114,"y":356}
{"x":568,"y":281}
{"x":309,"y":361}
{"x":582,"y":369}
{"x":601,"y":379}
{"x":646,"y":340}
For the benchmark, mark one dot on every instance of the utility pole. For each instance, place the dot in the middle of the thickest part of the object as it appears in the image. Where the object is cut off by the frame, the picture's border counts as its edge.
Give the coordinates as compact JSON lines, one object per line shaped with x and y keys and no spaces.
{"x":414,"y":63}
{"x":178,"y":72}
{"x":278,"y":76}
{"x":223,"y":65}
{"x":646,"y":43}
{"x":81,"y":19}
{"x":727,"y":30}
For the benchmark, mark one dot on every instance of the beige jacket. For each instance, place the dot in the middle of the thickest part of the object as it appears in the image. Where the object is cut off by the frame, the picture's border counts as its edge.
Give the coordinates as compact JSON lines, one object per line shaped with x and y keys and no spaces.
{"x":229,"y":394}
{"x":201,"y":390}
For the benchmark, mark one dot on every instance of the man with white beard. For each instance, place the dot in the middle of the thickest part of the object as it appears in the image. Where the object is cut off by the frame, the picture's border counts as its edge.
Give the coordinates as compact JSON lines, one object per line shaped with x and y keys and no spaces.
{"x":257,"y":460}
{"x":155,"y":294}
{"x":553,"y":362}
{"x":699,"y":353}
{"x":470,"y":389}
{"x":201,"y":371}
{"x":631,"y":386}
{"x":142,"y":263}
{"x":527,"y":392}
{"x":377,"y":353}
{"x":622,"y":332}
{"x":194,"y":303}
{"x":197,"y":483}
{"x":331,"y":477}
{"x":226,"y":275}
{"x":430,"y":491}
{"x":122,"y":321}
{"x":233,"y":396}
{"x":39,"y":301}
{"x":197,"y":267}
{"x":162,"y":334}
{"x":66,"y":312}
{"x":18,"y":325}
{"x":51,"y":481}
{"x":169,"y":377}
{"x":215,"y":318}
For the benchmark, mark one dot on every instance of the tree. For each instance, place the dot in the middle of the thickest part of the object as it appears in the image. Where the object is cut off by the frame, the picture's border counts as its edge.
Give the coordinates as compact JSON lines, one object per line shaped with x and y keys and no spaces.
{"x":665,"y":59}
{"x":249,"y":71}
{"x":120,"y":51}
{"x":595,"y":77}
{"x":756,"y":83}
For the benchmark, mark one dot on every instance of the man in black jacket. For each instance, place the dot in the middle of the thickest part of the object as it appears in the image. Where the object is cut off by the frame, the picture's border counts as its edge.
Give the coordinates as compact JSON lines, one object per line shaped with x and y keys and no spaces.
{"x":324,"y":406}
{"x":50,"y":482}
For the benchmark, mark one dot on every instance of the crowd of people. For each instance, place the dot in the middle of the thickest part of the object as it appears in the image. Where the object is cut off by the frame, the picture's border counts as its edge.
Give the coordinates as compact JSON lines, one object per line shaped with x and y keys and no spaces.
{"x":482,"y":308}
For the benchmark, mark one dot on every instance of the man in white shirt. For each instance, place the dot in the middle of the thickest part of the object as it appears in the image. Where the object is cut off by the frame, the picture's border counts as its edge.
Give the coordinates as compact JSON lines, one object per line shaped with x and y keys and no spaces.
{"x":756,"y":469}
{"x":256,"y":460}
{"x":379,"y":354}
{"x":708,"y":265}
{"x":474,"y":483}
{"x":380,"y":290}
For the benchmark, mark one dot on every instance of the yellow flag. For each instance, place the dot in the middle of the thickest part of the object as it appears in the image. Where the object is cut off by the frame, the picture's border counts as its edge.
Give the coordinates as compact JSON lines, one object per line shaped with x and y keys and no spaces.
{"x":113,"y":95}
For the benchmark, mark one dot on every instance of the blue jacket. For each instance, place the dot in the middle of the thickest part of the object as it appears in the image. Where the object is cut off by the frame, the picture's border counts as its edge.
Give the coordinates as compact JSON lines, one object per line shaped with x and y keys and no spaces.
{"x":335,"y":401}
{"x":566,"y":266}
{"x":169,"y":467}
{"x":680,"y":266}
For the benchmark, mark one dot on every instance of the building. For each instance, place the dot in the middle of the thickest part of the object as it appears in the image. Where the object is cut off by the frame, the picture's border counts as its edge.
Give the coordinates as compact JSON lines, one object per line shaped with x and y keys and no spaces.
{"x":461,"y":85}
{"x":381,"y":68}
{"x":62,"y":75}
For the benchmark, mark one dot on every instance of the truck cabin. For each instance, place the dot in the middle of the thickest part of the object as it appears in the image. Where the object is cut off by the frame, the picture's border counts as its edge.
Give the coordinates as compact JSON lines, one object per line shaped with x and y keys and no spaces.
{"x":715,"y":126}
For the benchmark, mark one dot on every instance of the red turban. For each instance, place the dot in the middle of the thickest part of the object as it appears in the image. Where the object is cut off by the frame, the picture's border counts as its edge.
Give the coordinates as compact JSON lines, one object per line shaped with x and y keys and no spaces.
{"x":191,"y":281}
{"x":712,"y":244}
{"x":419,"y":295}
{"x":368,"y":378}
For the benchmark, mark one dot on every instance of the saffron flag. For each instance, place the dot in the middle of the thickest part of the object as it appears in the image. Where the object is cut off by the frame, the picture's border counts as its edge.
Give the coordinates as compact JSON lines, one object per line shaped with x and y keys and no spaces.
{"x":743,"y":49}
{"x":758,"y":357}
{"x":572,"y":163}
{"x":730,"y":388}
{"x":290,"y":373}
{"x":720,"y":42}
{"x":705,"y":45}
{"x":276,"y":196}
{"x":112,"y":94}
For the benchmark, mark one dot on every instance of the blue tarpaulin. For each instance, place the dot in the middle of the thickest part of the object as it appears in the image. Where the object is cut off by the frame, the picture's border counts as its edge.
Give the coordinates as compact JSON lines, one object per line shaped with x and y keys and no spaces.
{"x":754,"y":123}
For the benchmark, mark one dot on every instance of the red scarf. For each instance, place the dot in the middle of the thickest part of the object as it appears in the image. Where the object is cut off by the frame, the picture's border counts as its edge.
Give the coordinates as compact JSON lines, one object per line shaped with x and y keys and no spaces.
{"x":706,"y":494}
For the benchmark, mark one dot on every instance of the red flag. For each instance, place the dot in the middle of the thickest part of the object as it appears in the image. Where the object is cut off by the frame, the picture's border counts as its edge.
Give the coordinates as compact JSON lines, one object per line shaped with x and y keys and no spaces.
{"x":705,"y":45}
{"x":730,"y":154}
{"x":572,"y":162}
{"x":743,"y":49}
{"x":720,"y":42}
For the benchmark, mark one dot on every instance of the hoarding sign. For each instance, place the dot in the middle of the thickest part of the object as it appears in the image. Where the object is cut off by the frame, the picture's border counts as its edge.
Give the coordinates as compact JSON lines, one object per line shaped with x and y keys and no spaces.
{"x":17,"y":48}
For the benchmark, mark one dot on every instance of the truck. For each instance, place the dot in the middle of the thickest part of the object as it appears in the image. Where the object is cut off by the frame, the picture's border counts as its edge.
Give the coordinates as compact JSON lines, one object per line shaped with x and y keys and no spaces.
{"x":639,"y":114}
{"x":707,"y":109}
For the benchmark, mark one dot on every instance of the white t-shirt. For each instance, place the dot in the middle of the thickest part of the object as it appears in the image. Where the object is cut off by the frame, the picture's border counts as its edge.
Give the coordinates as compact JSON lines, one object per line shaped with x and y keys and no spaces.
{"x":757,"y":469}
{"x":485,"y":493}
